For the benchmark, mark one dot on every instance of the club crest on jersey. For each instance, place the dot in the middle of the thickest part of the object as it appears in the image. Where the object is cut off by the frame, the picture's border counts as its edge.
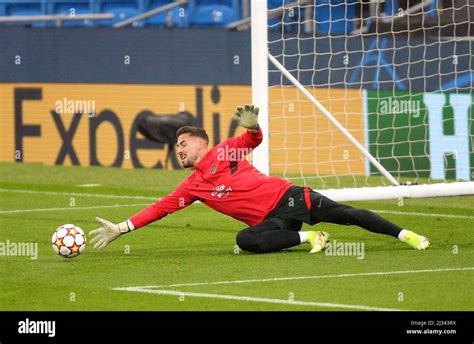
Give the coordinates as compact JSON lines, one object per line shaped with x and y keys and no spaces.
{"x":213,"y":169}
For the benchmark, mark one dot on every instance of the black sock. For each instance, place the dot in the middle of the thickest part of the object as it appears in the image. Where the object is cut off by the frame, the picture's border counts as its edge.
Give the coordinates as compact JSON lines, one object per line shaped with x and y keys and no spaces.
{"x":372,"y":222}
{"x":326,"y":210}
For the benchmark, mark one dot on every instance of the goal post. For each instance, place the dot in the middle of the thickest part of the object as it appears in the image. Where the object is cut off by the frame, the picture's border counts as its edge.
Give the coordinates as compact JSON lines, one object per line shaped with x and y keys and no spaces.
{"x":259,"y":30}
{"x":360,"y":107}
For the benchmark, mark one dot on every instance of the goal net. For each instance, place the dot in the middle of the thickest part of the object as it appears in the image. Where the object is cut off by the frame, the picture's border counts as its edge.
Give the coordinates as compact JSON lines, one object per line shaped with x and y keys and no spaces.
{"x":369,"y":94}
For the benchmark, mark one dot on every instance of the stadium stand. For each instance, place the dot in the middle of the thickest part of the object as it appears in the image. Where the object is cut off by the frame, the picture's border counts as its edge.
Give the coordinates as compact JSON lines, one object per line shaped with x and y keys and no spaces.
{"x":122,"y":9}
{"x":332,"y":17}
{"x":23,"y":8}
{"x":214,"y":13}
{"x":178,"y":17}
{"x":197,"y":13}
{"x":335,"y":18}
{"x":70,"y":7}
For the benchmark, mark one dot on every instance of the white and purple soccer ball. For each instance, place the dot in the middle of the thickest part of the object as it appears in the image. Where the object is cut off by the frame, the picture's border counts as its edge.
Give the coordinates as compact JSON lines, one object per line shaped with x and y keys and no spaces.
{"x":68,"y":241}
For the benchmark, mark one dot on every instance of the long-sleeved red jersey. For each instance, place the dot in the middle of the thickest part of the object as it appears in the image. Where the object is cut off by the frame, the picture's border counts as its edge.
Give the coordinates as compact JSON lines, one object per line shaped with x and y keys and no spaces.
{"x":226,"y":182}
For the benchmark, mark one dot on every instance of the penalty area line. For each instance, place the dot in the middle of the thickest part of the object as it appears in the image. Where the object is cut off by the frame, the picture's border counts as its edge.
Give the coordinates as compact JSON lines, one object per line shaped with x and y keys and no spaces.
{"x":255,"y":299}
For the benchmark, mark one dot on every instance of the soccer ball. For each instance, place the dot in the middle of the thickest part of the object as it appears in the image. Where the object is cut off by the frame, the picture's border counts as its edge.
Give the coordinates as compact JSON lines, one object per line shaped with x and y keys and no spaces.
{"x":68,"y":241}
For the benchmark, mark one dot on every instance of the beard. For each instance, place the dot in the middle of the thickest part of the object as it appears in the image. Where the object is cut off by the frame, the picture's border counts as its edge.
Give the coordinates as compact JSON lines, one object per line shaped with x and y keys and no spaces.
{"x":188,"y":162}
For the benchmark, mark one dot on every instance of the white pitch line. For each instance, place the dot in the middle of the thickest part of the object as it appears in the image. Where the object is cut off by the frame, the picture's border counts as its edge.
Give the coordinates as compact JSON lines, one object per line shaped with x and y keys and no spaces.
{"x":77,"y":194}
{"x":89,"y":185}
{"x":69,"y":208}
{"x":197,"y":202}
{"x":277,"y":279}
{"x":424,"y":214}
{"x":257,"y":299}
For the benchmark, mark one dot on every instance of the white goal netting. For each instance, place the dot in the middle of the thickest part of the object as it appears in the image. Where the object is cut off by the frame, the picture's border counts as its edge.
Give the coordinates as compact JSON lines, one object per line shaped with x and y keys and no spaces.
{"x":398,"y":75}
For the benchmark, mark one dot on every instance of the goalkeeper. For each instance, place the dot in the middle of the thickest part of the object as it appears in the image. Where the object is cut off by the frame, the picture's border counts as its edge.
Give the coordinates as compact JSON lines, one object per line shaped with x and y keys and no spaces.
{"x":273,"y":208}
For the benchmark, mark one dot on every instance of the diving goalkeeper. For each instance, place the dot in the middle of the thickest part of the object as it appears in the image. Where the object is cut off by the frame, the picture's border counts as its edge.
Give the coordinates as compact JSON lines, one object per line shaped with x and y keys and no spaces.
{"x":273,"y":208}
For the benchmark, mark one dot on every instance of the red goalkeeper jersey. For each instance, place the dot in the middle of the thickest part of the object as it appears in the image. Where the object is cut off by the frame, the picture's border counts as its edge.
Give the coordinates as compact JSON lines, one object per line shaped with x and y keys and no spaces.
{"x":224,"y":181}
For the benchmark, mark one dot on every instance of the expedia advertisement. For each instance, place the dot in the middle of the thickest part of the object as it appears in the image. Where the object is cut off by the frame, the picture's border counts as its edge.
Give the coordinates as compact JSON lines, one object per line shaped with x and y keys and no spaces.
{"x":96,"y":124}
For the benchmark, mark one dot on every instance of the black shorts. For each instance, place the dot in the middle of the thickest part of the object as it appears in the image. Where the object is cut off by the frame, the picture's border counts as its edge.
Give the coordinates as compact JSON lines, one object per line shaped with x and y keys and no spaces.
{"x":293,"y":209}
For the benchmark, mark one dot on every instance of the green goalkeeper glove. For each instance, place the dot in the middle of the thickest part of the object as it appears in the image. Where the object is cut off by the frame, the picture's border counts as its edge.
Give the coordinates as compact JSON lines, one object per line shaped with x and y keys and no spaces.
{"x":108,"y":232}
{"x":247,"y":117}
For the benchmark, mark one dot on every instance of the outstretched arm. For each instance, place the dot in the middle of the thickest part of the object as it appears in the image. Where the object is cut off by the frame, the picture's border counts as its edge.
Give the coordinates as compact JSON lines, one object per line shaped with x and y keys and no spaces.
{"x":109,"y":231}
{"x":177,"y":200}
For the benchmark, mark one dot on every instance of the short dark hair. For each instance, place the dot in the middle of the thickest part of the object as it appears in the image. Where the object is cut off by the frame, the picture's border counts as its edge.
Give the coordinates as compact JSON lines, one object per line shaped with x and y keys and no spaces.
{"x":193,"y":131}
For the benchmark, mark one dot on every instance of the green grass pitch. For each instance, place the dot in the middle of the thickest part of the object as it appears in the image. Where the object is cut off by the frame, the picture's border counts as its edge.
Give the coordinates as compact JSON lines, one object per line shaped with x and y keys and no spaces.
{"x":188,"y":261}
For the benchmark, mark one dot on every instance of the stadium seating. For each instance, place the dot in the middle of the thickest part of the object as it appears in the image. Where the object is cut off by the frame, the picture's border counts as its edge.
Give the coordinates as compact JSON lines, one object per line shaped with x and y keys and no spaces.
{"x":289,"y":21}
{"x":23,"y":8}
{"x":123,"y":9}
{"x":214,"y":13}
{"x":177,"y":17}
{"x":71,"y":8}
{"x":215,"y":16}
{"x":333,"y":16}
{"x":391,"y":7}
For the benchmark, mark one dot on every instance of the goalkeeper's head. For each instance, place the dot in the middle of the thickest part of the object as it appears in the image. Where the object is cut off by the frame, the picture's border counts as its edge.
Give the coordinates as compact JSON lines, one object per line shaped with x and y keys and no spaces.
{"x":191,"y":145}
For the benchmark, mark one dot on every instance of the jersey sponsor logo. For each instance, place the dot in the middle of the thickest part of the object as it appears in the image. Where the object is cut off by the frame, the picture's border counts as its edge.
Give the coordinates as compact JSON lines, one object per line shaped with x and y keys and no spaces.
{"x":221,"y":191}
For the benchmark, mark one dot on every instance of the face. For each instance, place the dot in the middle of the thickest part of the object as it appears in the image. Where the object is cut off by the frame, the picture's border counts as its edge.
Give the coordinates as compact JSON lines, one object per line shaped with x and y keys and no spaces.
{"x":188,"y":148}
